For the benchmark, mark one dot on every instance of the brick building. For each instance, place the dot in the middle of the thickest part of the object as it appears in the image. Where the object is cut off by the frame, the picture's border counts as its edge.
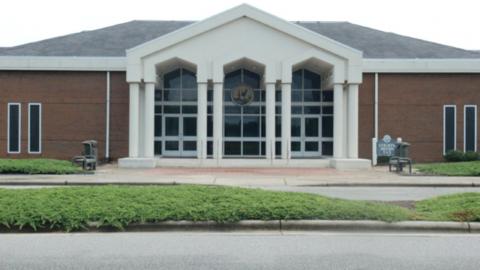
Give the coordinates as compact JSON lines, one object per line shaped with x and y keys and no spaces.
{"x":241,"y":88}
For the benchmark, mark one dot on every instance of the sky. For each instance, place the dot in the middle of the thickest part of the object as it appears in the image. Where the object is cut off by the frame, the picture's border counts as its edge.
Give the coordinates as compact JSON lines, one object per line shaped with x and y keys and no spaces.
{"x":455,"y":23}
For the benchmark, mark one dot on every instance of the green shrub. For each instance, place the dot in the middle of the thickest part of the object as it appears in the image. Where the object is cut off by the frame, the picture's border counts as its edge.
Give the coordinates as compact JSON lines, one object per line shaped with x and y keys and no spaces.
{"x":73,"y":208}
{"x":458,"y":156}
{"x":454,"y":156}
{"x":37,"y":166}
{"x":470,"y":156}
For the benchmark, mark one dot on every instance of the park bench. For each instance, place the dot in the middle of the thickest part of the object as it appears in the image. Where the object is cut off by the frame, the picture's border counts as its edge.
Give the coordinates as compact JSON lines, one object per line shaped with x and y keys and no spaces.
{"x":89,"y":158}
{"x":400,"y":159}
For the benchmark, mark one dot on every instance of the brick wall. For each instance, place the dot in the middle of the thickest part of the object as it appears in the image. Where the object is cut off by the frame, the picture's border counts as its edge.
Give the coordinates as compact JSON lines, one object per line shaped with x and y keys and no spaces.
{"x":411,"y":107}
{"x":73,"y":110}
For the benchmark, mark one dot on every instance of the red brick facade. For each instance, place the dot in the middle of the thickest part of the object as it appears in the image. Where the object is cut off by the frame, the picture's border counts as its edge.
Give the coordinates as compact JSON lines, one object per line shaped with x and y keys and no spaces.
{"x":74,"y":107}
{"x":73,"y":110}
{"x":411,"y":107}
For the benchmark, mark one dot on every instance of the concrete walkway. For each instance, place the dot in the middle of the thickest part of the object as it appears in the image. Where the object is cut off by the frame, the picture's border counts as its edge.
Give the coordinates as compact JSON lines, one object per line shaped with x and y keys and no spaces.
{"x":111,"y":174}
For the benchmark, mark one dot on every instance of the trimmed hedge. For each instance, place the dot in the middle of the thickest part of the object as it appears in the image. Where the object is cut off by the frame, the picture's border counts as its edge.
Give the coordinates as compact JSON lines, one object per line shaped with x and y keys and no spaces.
{"x":73,"y":208}
{"x":37,"y":166}
{"x":459,"y":156}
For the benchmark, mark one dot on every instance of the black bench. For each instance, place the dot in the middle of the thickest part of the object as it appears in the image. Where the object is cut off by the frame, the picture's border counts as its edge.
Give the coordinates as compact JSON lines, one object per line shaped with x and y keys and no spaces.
{"x":89,"y":158}
{"x":400,"y":159}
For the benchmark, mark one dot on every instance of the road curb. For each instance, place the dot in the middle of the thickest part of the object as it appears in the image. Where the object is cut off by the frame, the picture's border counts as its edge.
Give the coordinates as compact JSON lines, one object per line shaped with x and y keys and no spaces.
{"x":148,"y":183}
{"x":301,"y":225}
{"x":86,"y":183}
{"x":390,"y":185}
{"x":278,"y":225}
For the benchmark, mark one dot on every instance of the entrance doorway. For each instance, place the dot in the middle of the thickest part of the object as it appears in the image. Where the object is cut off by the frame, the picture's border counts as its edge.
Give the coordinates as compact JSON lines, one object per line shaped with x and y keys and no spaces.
{"x":180,"y":134}
{"x":176,"y":115}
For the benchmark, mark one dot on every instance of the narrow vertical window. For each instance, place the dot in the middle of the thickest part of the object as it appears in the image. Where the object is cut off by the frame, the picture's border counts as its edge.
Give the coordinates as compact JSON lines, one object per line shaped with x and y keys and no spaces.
{"x":34,"y":128}
{"x":449,"y":128}
{"x":470,"y":128}
{"x":14,"y":128}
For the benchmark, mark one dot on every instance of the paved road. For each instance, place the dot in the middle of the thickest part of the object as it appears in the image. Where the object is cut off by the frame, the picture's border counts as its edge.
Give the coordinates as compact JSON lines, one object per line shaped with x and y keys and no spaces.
{"x":377,"y":193}
{"x":239,"y":251}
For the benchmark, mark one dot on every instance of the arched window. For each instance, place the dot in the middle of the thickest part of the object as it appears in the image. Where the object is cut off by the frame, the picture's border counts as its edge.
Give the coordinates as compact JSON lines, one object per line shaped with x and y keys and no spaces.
{"x":176,"y":114}
{"x":312,"y":116}
{"x":244,"y":124}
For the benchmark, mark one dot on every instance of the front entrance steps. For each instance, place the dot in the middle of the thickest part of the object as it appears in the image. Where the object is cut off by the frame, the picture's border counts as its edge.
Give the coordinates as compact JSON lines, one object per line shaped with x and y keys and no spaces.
{"x":341,"y":164}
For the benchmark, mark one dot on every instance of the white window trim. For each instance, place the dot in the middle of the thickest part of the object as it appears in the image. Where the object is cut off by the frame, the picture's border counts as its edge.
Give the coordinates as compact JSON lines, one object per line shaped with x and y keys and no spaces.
{"x":454,"y":127}
{"x":39,"y":128}
{"x":19,"y":127}
{"x":465,"y":127}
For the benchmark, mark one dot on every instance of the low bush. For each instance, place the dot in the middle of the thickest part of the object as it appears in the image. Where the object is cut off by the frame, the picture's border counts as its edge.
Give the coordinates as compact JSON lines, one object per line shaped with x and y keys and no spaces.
{"x":73,"y":208}
{"x":470,"y":156}
{"x":37,"y":166}
{"x":454,"y":156}
{"x":459,"y":156}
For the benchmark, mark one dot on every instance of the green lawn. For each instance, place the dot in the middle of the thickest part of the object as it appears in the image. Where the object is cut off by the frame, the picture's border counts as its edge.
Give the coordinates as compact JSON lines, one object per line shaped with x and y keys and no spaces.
{"x":37,"y":166}
{"x":72,"y":208}
{"x":457,"y":207}
{"x":467,"y":168}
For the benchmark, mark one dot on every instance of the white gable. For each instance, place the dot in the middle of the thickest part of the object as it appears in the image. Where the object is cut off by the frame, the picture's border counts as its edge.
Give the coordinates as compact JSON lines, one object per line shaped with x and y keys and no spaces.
{"x":244,"y":32}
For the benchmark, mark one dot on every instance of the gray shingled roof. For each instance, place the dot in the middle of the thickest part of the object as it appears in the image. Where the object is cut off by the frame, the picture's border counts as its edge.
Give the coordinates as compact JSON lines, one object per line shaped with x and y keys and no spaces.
{"x":114,"y":40}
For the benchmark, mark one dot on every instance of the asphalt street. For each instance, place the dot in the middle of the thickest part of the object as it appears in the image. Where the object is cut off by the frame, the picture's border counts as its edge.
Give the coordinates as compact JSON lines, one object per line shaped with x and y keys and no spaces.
{"x":269,"y":250}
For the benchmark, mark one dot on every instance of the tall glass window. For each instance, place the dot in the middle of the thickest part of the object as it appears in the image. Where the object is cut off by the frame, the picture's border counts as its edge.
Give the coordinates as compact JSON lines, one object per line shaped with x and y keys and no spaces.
{"x":34,"y":127}
{"x":470,"y":128}
{"x":176,"y":114}
{"x":449,"y":128}
{"x":244,"y":124}
{"x":14,"y":127}
{"x":312,"y":116}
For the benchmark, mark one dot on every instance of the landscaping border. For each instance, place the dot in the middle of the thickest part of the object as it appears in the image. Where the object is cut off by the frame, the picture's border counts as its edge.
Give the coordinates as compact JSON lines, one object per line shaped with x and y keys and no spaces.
{"x":281,"y":226}
{"x":9,"y":182}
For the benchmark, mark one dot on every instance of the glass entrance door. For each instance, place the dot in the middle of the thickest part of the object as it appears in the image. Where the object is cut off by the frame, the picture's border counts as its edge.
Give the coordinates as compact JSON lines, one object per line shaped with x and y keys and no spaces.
{"x":306,"y":137}
{"x":180,"y":133}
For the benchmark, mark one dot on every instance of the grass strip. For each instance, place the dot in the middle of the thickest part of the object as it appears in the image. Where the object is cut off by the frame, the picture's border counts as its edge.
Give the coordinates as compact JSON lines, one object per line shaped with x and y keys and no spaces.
{"x":37,"y":166}
{"x":72,"y":208}
{"x":456,"y":207}
{"x":468,"y":168}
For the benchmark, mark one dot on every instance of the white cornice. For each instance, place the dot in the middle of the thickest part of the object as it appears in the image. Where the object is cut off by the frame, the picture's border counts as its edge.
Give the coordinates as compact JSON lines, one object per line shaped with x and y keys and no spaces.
{"x":63,"y":63}
{"x":421,"y":65}
{"x":68,"y":63}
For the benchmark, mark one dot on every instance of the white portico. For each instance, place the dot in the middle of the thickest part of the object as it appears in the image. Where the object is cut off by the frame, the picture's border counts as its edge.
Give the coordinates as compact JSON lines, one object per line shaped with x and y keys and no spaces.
{"x":243,"y":88}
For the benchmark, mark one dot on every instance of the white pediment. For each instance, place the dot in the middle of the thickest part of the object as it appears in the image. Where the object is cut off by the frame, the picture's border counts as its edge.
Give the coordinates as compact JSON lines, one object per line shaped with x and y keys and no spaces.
{"x":242,"y":32}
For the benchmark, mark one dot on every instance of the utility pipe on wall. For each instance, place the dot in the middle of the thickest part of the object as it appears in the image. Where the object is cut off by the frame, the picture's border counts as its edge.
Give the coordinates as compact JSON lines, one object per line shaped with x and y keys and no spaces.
{"x":375,"y":132}
{"x":107,"y":120}
{"x":376,"y":106}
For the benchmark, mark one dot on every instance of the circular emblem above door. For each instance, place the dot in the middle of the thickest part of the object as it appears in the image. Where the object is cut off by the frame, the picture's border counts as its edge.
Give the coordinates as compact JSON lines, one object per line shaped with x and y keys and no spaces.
{"x":242,"y":94}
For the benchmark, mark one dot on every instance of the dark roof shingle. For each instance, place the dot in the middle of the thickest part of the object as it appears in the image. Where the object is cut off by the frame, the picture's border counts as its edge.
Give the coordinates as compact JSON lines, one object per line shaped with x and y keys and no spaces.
{"x":114,"y":40}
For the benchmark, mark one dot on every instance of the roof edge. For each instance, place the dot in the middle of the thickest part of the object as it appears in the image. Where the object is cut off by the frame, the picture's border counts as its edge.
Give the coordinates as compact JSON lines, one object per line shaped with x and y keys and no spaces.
{"x":63,"y":63}
{"x":243,"y":10}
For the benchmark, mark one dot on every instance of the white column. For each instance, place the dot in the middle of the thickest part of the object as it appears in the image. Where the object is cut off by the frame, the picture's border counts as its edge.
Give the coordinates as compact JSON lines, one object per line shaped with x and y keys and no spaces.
{"x":286,"y":119}
{"x":202,"y":120}
{"x":353,"y":121}
{"x":217,"y":120}
{"x":338,"y":121}
{"x":133,"y":120}
{"x":270,"y":121}
{"x":149,"y":115}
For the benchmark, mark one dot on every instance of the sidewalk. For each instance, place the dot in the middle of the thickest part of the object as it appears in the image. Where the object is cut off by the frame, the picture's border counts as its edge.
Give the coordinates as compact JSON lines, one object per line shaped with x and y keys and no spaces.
{"x":111,"y":174}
